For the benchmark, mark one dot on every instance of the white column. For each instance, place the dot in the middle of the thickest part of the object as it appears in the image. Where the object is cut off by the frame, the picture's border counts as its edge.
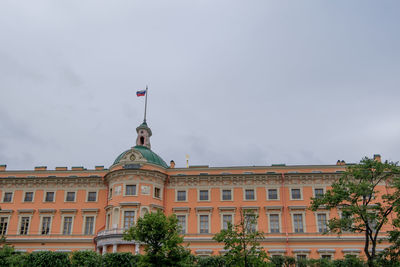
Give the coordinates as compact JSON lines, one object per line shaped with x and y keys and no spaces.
{"x":115,"y":248}
{"x":104,"y":249}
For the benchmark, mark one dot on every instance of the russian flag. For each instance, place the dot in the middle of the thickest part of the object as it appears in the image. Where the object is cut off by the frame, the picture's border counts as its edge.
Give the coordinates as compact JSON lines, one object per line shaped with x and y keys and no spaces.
{"x":141,"y":93}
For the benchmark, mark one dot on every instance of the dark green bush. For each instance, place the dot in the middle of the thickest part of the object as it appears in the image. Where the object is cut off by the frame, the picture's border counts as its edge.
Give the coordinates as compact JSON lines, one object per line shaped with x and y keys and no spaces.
{"x":48,"y":258}
{"x":85,"y":259}
{"x":120,"y":259}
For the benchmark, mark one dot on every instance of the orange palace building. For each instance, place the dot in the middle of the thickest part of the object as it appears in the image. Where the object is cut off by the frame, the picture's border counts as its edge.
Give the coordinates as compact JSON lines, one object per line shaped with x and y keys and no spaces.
{"x":79,"y":209}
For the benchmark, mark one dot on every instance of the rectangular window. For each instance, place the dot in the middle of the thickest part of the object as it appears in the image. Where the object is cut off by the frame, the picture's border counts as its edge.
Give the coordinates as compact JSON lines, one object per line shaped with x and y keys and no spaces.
{"x":322,"y":223}
{"x":49,"y":197}
{"x":110,"y":194}
{"x":46,"y":221}
{"x":181,"y":195}
{"x":92,"y":196}
{"x":7,"y":197}
{"x":272,"y":194}
{"x":296,"y":194}
{"x":24,"y":225}
{"x":301,"y":257}
{"x":226,"y":220}
{"x":131,"y":190}
{"x":129,"y":219}
{"x":89,"y":225}
{"x":250,"y":223}
{"x":3,"y":225}
{"x":67,"y":226}
{"x":203,"y":195}
{"x":298,"y":223}
{"x":274,"y":223}
{"x":182,"y":224}
{"x":70,"y":196}
{"x":204,"y":224}
{"x":318,"y":192}
{"x":326,"y":257}
{"x":28,"y":197}
{"x":249,"y":194}
{"x":226,"y":194}
{"x":157,"y":192}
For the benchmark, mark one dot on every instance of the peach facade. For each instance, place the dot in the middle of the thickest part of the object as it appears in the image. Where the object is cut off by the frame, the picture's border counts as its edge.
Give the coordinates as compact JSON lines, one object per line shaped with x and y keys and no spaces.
{"x":79,"y":209}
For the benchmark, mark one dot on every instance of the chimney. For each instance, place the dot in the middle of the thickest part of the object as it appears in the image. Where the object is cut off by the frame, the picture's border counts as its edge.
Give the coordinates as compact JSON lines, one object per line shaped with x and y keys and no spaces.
{"x":3,"y":168}
{"x":40,"y":168}
{"x":99,"y":168}
{"x":377,"y":157}
{"x":172,"y":164}
{"x":338,"y":162}
{"x":61,"y":168}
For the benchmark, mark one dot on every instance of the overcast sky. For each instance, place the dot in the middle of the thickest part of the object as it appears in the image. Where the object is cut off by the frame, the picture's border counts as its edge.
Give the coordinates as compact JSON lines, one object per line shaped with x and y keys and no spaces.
{"x":230,"y":82}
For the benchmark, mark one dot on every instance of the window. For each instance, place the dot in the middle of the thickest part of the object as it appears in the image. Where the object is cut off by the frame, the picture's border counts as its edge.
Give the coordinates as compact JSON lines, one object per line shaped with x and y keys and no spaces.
{"x":203,"y":195}
{"x":129,"y":219}
{"x":92,"y":196}
{"x":250,"y":223}
{"x":3,"y":225}
{"x":182,"y":224}
{"x":181,"y":195}
{"x":298,"y":223}
{"x":274,"y":223}
{"x":67,"y":226}
{"x":157,"y":192}
{"x":110,"y":194}
{"x":322,"y":223}
{"x":301,"y":257}
{"x":226,"y":194}
{"x":89,"y":225}
{"x":296,"y":194}
{"x":226,"y":220}
{"x":204,"y":224}
{"x":7,"y":197}
{"x":130,"y":190}
{"x":24,"y":227}
{"x":318,"y":192}
{"x":46,"y":222}
{"x":272,"y":194}
{"x":249,"y":194}
{"x":70,"y":196}
{"x":326,"y":257}
{"x":49,"y":197}
{"x":28,"y":197}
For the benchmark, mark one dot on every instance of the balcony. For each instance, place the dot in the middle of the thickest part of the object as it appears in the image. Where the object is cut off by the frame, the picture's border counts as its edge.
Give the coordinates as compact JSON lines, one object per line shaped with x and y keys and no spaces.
{"x":113,"y":237}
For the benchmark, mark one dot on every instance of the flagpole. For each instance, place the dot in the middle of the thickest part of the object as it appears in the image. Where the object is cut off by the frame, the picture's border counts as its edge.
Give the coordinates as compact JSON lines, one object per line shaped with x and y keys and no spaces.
{"x":145,"y":105}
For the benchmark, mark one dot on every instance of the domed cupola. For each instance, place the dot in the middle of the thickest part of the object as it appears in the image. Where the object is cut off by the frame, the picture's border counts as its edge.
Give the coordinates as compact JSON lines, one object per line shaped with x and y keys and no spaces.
{"x":141,"y":153}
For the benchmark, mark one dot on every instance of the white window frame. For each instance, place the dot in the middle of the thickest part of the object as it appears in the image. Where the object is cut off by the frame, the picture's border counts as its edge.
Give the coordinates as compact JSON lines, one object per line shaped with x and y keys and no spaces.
{"x":222,"y":219}
{"x":12,"y":196}
{"x":303,"y":218}
{"x":84,"y":217}
{"x":20,"y":222}
{"x":45,"y":194}
{"x":154,"y":192}
{"x":208,"y":195}
{"x":176,"y":195}
{"x":62,"y":224}
{"x":33,"y":196}
{"x":318,"y":187}
{"x":136,"y":189}
{"x":279,"y":222}
{"x":8,"y":222}
{"x":135,"y":217}
{"x":255,"y":194}
{"x":186,"y":221}
{"x":291,"y":193}
{"x":316,"y":220}
{"x":41,"y":222}
{"x":277,"y":193}
{"x":209,"y":222}
{"x":222,"y":193}
{"x":70,"y":191}
{"x":87,"y":196}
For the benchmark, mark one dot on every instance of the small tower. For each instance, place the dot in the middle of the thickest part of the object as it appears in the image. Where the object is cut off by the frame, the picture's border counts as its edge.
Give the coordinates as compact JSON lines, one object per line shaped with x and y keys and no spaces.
{"x":143,"y":135}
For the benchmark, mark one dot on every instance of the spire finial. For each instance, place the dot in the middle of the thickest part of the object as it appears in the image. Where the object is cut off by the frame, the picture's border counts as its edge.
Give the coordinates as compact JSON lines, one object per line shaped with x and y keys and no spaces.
{"x":145,"y":104}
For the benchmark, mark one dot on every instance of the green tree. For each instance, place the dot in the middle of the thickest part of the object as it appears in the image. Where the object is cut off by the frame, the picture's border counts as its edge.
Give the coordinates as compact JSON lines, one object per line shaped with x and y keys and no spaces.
{"x":162,"y":241}
{"x":364,"y":209}
{"x":48,"y":258}
{"x":85,"y":259}
{"x":120,"y":259}
{"x":242,"y":242}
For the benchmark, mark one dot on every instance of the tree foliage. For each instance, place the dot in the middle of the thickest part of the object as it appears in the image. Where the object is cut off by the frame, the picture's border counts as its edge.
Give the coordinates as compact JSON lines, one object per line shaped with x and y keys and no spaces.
{"x":85,"y":259}
{"x":363,"y":207}
{"x":161,"y":238}
{"x":120,"y":259}
{"x":242,"y":242}
{"x":48,"y":258}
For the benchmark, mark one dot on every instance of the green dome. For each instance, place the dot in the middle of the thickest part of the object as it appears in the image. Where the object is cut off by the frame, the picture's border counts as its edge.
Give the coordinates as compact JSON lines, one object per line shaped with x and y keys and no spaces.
{"x":149,"y":155}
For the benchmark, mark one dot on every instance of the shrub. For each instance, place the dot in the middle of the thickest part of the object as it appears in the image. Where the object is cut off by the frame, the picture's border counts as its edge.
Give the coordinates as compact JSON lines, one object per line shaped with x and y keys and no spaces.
{"x":85,"y":259}
{"x":120,"y":259}
{"x":48,"y":258}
